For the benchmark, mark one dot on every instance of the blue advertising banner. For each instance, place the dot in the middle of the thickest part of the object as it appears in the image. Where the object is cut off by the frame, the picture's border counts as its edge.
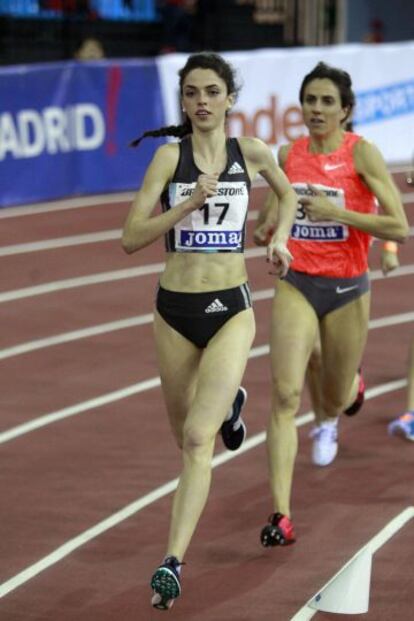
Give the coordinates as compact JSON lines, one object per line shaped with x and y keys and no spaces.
{"x":65,"y":128}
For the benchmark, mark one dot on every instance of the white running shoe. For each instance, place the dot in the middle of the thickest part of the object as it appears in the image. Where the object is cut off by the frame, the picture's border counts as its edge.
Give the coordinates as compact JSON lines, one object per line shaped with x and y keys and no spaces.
{"x":325,"y":442}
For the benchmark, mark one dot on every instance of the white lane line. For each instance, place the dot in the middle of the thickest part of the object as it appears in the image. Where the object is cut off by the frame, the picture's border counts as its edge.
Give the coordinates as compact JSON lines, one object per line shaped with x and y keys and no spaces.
{"x":389,"y":530}
{"x":88,"y":238}
{"x":82,"y":281}
{"x":404,"y":270}
{"x":129,"y":322}
{"x":78,"y":408}
{"x":72,"y":240}
{"x":84,"y":406}
{"x":94,"y":279}
{"x":60,"y":242}
{"x":391,"y":320}
{"x":103,"y":328}
{"x":70,"y":203}
{"x":373,"y":545}
{"x":67,"y":337}
{"x":97,"y":200}
{"x":101,"y":236}
{"x":96,"y":402}
{"x":158,"y":493}
{"x":134,"y":272}
{"x":132,"y":322}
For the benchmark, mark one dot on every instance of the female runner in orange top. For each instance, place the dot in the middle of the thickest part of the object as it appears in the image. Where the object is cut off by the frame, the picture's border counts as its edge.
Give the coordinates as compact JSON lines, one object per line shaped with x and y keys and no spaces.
{"x":337,"y":176}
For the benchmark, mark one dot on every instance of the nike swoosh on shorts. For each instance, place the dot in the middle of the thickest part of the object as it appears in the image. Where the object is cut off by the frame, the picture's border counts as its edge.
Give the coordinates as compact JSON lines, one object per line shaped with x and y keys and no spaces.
{"x":345,"y":289}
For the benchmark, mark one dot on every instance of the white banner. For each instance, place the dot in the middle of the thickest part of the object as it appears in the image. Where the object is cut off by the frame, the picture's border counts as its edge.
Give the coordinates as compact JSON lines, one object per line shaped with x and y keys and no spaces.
{"x":268,"y":105}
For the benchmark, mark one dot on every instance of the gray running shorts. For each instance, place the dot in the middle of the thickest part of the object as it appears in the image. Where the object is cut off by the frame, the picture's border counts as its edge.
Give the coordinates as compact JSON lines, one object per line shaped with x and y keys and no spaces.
{"x":326,"y":294}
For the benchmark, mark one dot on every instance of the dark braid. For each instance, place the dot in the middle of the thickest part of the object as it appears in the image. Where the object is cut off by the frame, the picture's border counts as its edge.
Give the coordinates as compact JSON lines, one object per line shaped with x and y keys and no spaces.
{"x":200,"y":60}
{"x":179,"y":131}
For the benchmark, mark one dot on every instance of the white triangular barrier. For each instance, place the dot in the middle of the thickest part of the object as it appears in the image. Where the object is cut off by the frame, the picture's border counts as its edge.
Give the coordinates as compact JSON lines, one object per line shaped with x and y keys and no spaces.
{"x":348,"y":592}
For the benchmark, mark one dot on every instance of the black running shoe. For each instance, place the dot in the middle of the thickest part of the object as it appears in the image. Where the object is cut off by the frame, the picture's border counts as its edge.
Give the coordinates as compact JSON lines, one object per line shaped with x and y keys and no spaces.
{"x":233,"y":431}
{"x":166,"y":584}
{"x":278,"y":532}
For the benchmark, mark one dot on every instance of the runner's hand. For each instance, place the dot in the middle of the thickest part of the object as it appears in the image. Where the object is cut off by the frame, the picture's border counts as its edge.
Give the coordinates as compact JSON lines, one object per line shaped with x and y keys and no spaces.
{"x":317,"y":207}
{"x":279,"y":255}
{"x":389,"y":261}
{"x":206,"y":186}
{"x":262,"y":234}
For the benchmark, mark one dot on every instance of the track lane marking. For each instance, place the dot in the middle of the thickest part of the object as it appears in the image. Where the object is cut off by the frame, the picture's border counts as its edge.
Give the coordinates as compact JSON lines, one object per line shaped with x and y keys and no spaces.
{"x":129,"y":322}
{"x":97,"y":200}
{"x":145,"y":270}
{"x":60,"y":242}
{"x":70,"y":203}
{"x":102,"y":277}
{"x":373,"y":545}
{"x":75,"y":335}
{"x":133,"y":322}
{"x":102,"y":236}
{"x":167,"y":488}
{"x":74,"y":240}
{"x":128,"y":391}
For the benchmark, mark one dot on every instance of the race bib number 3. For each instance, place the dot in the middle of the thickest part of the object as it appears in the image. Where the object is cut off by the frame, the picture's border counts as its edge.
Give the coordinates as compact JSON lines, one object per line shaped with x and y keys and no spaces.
{"x":326,"y":231}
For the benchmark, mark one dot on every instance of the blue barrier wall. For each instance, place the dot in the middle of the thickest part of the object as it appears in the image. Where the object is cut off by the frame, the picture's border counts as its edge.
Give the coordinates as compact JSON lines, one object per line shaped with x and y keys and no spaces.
{"x":140,"y":10}
{"x":65,"y":128}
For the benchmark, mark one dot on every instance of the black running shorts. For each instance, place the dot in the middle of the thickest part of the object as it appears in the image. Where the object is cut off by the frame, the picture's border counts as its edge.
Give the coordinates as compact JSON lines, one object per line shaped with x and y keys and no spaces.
{"x":199,"y":316}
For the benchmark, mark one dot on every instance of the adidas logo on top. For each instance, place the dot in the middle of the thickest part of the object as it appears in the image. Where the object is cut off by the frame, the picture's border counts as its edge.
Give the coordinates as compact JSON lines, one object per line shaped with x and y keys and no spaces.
{"x":235,"y":169}
{"x":216,"y":307}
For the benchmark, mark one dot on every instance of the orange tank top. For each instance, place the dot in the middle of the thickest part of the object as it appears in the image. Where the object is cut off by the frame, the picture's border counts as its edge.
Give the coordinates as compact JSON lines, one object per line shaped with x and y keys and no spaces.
{"x":329,"y":248}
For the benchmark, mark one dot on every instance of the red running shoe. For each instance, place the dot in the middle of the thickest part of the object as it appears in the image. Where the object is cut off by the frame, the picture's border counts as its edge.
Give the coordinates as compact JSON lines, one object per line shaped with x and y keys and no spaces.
{"x":279,"y":531}
{"x":358,"y":403}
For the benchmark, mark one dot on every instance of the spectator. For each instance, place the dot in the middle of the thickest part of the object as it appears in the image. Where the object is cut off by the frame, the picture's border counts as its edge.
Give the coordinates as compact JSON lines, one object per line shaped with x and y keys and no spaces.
{"x":90,"y":49}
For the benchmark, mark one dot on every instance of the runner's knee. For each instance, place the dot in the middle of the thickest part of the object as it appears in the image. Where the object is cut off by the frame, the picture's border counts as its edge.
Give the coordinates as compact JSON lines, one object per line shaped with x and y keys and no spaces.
{"x":335,"y":401}
{"x":285,"y":398}
{"x":197,"y":440}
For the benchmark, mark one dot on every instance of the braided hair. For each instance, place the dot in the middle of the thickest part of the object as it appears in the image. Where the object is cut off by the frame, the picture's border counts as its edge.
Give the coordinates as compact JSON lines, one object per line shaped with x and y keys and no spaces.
{"x":179,"y":131}
{"x":200,"y":60}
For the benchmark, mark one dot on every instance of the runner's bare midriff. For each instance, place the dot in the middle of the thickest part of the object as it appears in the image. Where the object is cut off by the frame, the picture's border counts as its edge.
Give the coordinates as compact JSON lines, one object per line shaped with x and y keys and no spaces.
{"x":195,"y":272}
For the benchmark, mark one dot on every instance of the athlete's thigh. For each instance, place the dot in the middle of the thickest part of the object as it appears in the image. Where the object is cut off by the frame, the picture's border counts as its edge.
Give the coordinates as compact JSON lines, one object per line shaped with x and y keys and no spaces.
{"x":220,"y":372}
{"x":178,"y":361}
{"x":294,"y":330}
{"x":343,"y":338}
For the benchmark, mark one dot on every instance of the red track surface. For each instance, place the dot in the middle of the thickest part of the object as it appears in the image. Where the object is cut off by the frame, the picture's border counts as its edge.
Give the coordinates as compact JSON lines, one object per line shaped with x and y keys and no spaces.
{"x":61,"y":479}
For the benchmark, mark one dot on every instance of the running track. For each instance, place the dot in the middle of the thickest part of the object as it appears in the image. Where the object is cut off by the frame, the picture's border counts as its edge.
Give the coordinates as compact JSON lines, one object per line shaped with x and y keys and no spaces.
{"x":88,"y":463}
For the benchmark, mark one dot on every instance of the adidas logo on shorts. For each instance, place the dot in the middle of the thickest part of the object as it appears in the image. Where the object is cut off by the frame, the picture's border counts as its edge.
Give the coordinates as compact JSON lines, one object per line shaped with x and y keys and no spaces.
{"x":216,"y":307}
{"x":235,"y":169}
